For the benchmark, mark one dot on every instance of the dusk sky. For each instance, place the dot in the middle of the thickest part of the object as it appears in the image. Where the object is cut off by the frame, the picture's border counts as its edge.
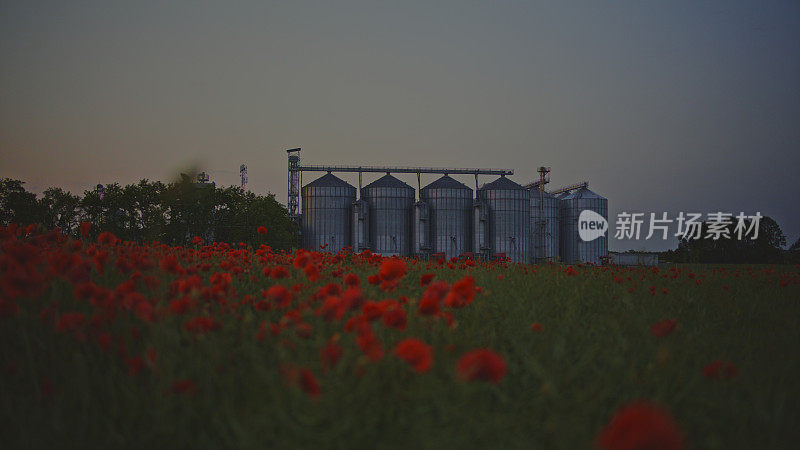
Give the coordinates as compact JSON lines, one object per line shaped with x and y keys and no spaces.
{"x":662,"y":106}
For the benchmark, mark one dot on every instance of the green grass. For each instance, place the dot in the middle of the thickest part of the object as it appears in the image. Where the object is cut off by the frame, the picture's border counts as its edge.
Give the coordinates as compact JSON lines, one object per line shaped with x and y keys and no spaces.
{"x":563,"y":385}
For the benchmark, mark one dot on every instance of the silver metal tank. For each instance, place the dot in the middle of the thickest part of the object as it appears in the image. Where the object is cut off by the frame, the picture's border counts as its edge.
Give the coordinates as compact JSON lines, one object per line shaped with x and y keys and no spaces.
{"x":480,"y":228}
{"x":544,"y":226}
{"x":390,"y":203}
{"x":421,"y":244}
{"x":360,"y":226}
{"x":509,"y":208}
{"x":451,"y":216}
{"x":573,"y":249}
{"x":326,"y":213}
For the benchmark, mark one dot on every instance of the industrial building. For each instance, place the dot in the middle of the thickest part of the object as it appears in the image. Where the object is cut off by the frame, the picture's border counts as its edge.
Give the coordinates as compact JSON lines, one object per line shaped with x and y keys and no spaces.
{"x":499,"y":219}
{"x":633,"y":259}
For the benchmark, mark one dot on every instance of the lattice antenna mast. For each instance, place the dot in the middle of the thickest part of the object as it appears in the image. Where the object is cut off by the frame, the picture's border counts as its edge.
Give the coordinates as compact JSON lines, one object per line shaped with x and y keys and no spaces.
{"x":243,"y":174}
{"x":539,"y":232}
{"x":294,"y":183}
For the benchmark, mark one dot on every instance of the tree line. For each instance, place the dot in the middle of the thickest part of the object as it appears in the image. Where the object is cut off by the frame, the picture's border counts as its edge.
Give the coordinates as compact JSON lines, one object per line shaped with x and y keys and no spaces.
{"x":767,"y":248}
{"x":172,"y":213}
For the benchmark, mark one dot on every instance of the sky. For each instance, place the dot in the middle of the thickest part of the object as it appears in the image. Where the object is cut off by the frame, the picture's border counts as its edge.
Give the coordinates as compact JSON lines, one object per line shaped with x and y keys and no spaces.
{"x":661,"y":106}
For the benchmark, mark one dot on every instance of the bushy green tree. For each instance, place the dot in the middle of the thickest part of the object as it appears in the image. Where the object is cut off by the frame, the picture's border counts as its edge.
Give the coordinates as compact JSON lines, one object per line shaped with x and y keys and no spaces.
{"x":16,"y":204}
{"x":148,"y":211}
{"x":766,"y":248}
{"x":60,"y":209}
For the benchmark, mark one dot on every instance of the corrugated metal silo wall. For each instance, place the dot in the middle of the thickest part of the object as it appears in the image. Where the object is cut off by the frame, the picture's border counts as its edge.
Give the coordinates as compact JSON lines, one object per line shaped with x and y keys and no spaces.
{"x":326,"y":216}
{"x":545,"y":227}
{"x":568,"y":231}
{"x":450,"y":219}
{"x":389,"y":219}
{"x":509,"y":222}
{"x":573,"y":249}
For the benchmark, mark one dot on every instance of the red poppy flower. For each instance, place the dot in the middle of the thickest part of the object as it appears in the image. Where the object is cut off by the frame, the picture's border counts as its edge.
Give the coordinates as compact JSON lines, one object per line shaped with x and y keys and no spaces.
{"x":135,"y":365}
{"x":279,"y":272}
{"x":107,"y":238}
{"x":303,"y":330}
{"x":170,"y":264}
{"x":663,"y":328}
{"x":333,"y":308}
{"x":301,"y":259}
{"x":395,"y":318}
{"x":416,"y":353}
{"x":85,"y":228}
{"x":330,"y":355}
{"x":201,"y":325}
{"x":721,"y":370}
{"x":352,"y":280}
{"x":536,"y":327}
{"x":461,"y":294}
{"x":426,"y":279}
{"x":358,"y":324}
{"x":481,"y":365}
{"x":261,"y":230}
{"x":181,"y":306}
{"x":392,"y":269}
{"x":370,"y":345}
{"x":144,"y":311}
{"x":432,"y":297}
{"x":309,"y":384}
{"x":641,"y":425}
{"x":184,"y":387}
{"x":104,"y":341}
{"x":280,"y":295}
{"x":312,"y":272}
{"x":353,"y":298}
{"x":373,"y":310}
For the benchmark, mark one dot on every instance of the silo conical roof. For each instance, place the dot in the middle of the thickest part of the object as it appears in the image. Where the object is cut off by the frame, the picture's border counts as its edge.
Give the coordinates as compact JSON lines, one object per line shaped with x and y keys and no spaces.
{"x":388,"y":181}
{"x":446,"y":182}
{"x":583,"y":193}
{"x":501,"y":183}
{"x":329,"y":180}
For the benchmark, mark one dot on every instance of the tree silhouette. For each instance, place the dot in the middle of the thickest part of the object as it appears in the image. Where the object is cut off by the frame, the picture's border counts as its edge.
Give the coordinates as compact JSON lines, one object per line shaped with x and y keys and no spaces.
{"x":766,"y":248}
{"x":148,"y":211}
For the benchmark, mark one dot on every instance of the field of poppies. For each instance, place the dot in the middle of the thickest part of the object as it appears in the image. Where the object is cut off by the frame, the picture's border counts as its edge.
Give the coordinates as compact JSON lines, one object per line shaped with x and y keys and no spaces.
{"x":111,"y":344}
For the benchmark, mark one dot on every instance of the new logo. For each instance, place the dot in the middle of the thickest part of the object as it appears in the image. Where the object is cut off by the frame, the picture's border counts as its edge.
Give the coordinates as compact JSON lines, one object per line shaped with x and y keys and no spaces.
{"x":591,"y":225}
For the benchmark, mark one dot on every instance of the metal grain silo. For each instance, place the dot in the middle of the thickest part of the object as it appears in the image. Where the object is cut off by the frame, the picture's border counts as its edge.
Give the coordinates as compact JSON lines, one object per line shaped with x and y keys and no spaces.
{"x":390,"y":203}
{"x":326,"y":215}
{"x":480,"y":229}
{"x":544,"y":225}
{"x":421,"y":240}
{"x":451,"y":214}
{"x":573,"y":249}
{"x":360,"y":226}
{"x":509,"y":209}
